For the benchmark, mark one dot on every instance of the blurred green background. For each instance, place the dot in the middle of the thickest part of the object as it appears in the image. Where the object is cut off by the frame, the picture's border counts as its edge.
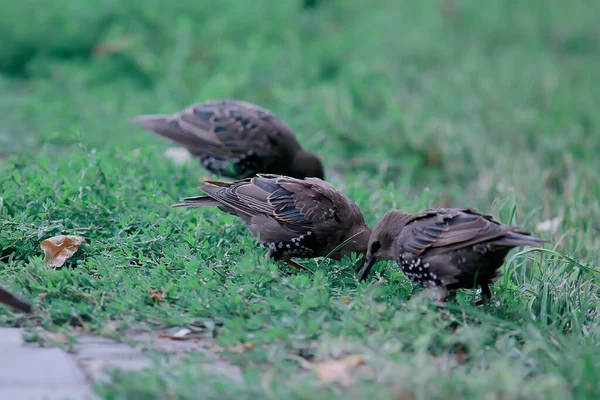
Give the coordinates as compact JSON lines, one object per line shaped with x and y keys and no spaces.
{"x":409,"y":103}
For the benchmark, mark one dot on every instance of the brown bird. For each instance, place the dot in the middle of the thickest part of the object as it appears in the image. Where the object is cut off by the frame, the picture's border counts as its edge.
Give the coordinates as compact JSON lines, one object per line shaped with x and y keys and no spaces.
{"x":445,"y":248}
{"x":12,"y":300}
{"x":236,"y":139}
{"x":303,"y":218}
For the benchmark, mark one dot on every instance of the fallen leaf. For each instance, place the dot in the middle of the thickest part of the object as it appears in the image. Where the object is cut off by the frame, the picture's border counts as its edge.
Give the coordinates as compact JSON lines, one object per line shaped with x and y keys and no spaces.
{"x":549,"y":225}
{"x":462,"y":358}
{"x":114,"y":46}
{"x":87,"y":296}
{"x":433,"y":157}
{"x":338,"y":370}
{"x":241,"y":347}
{"x":59,"y":249}
{"x":156,"y":295}
{"x":445,"y":202}
{"x":110,"y":328}
{"x":405,"y":395}
{"x":42,"y":296}
{"x":178,"y":155}
{"x":182,"y":334}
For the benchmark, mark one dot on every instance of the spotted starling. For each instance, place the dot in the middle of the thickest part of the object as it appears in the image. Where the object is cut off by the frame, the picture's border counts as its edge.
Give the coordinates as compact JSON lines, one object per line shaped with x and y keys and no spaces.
{"x":10,"y":299}
{"x":236,"y":139}
{"x":445,"y":248}
{"x":292,"y":217}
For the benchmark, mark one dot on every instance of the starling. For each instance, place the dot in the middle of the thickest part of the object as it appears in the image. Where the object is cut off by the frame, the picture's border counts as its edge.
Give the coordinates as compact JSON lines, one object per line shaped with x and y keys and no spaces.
{"x":10,"y":299}
{"x":303,"y":218}
{"x":445,"y":248}
{"x":236,"y":139}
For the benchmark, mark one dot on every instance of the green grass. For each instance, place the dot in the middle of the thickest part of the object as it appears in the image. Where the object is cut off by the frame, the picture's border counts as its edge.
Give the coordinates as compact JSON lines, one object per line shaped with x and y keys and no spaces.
{"x":409,"y":103}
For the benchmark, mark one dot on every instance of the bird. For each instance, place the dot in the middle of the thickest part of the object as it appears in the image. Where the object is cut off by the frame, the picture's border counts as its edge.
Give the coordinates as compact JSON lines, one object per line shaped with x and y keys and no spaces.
{"x":12,"y":300}
{"x":235,"y":139}
{"x":445,"y":248}
{"x":304,"y":218}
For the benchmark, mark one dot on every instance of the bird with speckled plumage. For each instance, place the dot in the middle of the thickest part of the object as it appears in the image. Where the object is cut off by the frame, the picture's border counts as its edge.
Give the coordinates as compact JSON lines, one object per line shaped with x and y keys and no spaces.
{"x":236,"y":139}
{"x":303,"y":218}
{"x":12,"y":300}
{"x":445,"y":248}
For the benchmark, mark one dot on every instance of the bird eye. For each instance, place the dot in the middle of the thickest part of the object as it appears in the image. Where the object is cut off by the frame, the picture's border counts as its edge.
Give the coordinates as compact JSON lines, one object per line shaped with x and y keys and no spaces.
{"x":375,"y":246}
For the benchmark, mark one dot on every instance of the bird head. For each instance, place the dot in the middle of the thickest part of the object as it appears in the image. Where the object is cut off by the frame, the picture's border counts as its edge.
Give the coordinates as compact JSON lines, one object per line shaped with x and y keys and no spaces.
{"x":381,"y":241}
{"x":306,"y":164}
{"x":356,"y":242}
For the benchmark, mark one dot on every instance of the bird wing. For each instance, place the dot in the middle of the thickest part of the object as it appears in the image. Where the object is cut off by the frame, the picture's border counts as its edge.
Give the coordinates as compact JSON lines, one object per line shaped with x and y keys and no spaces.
{"x":292,"y":202}
{"x":437,"y":230}
{"x":230,"y":129}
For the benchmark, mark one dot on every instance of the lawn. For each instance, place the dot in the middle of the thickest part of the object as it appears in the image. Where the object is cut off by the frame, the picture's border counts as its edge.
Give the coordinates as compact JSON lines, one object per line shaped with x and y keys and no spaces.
{"x":493,"y":105}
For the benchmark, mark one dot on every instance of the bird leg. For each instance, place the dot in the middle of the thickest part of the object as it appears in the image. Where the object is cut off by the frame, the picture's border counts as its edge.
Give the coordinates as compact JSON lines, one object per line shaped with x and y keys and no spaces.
{"x":296,"y":265}
{"x":486,"y":295}
{"x":289,"y":262}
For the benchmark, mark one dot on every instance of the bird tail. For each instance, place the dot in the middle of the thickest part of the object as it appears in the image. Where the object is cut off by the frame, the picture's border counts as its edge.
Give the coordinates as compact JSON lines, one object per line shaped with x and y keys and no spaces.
{"x":167,"y":126}
{"x":154,"y":122}
{"x":10,"y":299}
{"x":211,"y":199}
{"x":216,"y":183}
{"x":198,"y":201}
{"x":517,"y":238}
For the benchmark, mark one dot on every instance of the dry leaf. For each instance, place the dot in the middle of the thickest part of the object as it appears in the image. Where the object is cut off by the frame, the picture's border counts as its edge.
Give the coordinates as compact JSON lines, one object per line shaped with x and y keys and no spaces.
{"x":338,"y":370}
{"x":42,"y":296}
{"x":59,"y":249}
{"x":241,"y":347}
{"x":87,"y":296}
{"x":52,"y":338}
{"x":433,"y":157}
{"x":549,"y":225}
{"x":404,"y":395}
{"x":182,"y":333}
{"x":156,"y":295}
{"x":178,"y":155}
{"x":445,"y":202}
{"x":462,"y":358}
{"x":114,"y":46}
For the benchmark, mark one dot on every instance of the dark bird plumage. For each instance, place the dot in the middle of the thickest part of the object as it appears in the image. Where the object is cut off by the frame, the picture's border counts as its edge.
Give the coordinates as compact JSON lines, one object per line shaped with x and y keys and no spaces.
{"x":12,"y":300}
{"x":445,"y":248}
{"x":302,"y":218}
{"x":236,"y":139}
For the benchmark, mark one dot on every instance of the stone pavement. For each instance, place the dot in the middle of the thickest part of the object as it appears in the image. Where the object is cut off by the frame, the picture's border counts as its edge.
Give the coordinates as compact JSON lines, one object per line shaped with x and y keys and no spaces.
{"x":31,"y":372}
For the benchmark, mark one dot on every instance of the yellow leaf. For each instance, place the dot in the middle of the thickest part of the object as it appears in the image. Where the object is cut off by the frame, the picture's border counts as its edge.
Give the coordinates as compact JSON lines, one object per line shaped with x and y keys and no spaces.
{"x":156,"y":295}
{"x":59,"y":249}
{"x":241,"y":347}
{"x":338,"y":370}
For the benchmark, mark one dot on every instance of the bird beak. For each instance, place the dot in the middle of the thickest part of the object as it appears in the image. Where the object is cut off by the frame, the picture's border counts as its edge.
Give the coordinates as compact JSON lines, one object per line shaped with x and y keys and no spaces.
{"x":369,"y":262}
